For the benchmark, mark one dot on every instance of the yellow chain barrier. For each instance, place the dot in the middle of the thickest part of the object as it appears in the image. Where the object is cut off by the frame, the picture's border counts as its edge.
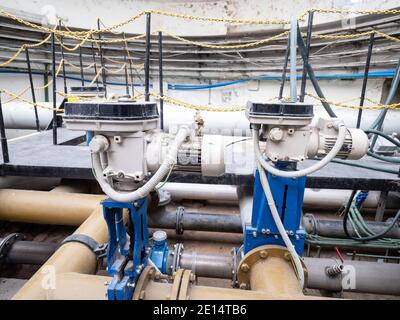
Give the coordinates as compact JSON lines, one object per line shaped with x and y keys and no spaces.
{"x":393,"y":106}
{"x":18,"y":94}
{"x":350,"y":11}
{"x":210,"y":19}
{"x":115,"y":71}
{"x":18,"y":97}
{"x":355,"y":35}
{"x":96,"y":76}
{"x":78,"y":67}
{"x":196,"y":106}
{"x":238,"y":46}
{"x":23,"y":47}
{"x":77,"y":34}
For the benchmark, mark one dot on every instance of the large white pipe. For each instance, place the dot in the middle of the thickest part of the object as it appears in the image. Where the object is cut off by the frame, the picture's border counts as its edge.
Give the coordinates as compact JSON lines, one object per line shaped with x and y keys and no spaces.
{"x":21,"y":115}
{"x":236,"y":123}
{"x":313,"y":198}
{"x":199,"y":191}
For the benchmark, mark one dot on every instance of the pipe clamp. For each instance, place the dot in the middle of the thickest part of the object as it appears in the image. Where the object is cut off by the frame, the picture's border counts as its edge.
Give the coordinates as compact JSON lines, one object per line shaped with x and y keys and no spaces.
{"x":100,"y":250}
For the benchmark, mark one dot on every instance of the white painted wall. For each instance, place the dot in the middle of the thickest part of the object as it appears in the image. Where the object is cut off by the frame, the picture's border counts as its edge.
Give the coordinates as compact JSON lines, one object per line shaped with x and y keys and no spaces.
{"x":80,"y":13}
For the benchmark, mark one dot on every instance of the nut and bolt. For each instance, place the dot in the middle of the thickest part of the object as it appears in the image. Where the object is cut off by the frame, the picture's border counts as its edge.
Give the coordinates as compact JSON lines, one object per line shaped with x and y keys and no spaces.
{"x":245,"y":267}
{"x":265,"y":231}
{"x":263,"y":254}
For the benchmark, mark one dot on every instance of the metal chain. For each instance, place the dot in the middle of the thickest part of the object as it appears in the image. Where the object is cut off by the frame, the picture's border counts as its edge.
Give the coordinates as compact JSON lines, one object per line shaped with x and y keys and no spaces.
{"x":196,"y":106}
{"x":11,"y":94}
{"x":393,"y":106}
{"x":238,"y":46}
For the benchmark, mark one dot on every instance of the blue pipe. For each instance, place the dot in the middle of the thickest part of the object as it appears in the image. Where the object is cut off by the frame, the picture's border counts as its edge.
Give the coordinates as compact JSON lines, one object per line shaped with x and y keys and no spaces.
{"x":376,"y":74}
{"x":68,"y":77}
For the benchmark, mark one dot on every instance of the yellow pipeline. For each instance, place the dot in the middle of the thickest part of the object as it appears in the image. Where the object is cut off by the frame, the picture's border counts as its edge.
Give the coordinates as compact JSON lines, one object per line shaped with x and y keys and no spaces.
{"x":46,"y":207}
{"x":70,"y":257}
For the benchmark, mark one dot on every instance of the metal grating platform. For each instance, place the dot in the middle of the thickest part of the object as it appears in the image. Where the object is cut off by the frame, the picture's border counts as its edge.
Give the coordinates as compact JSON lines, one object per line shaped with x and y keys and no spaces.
{"x":36,"y":156}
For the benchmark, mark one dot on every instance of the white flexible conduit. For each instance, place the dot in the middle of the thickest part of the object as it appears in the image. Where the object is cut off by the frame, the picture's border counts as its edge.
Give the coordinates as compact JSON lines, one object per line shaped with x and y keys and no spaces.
{"x":279,"y":225}
{"x":294,"y":174}
{"x":263,"y":164}
{"x":143,"y":191}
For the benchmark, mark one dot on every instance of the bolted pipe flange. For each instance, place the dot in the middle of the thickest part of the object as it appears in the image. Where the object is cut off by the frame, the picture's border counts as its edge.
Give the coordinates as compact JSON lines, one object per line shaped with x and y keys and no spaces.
{"x":6,"y":244}
{"x":179,"y":220}
{"x":176,"y":255}
{"x":257,"y":254}
{"x":148,"y":274}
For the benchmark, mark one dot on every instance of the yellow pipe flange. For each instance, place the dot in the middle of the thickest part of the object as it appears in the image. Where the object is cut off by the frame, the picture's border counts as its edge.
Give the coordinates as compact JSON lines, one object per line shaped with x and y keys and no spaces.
{"x":263,"y":253}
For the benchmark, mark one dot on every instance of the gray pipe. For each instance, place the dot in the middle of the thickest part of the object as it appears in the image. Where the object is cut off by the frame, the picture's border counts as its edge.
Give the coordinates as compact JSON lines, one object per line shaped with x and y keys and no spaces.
{"x":196,"y":221}
{"x":30,"y":252}
{"x":208,"y":265}
{"x":369,"y":277}
{"x":334,"y":228}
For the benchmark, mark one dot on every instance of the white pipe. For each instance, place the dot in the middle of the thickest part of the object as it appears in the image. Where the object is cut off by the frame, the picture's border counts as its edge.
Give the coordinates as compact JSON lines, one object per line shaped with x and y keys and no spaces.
{"x":279,"y":225}
{"x":21,"y":115}
{"x":236,"y":123}
{"x":142,"y":192}
{"x":313,"y":198}
{"x":193,"y":191}
{"x":294,"y":174}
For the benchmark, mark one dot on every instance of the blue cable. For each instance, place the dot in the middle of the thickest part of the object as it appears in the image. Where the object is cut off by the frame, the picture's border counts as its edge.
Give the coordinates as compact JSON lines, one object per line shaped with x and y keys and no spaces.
{"x":376,"y":74}
{"x":362,"y":195}
{"x":70,"y":78}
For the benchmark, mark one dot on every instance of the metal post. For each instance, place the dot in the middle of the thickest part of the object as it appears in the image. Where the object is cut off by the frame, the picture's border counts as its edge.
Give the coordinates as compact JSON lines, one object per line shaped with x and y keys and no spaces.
{"x":103,"y":70}
{"x":160,"y":77}
{"x":308,"y":46}
{"x":284,"y":69}
{"x":365,"y":80}
{"x":293,"y":57}
{"x":45,"y":81}
{"x":4,"y":146}
{"x":130,"y":66}
{"x":81,"y":66}
{"x":63,"y":60}
{"x":147,"y":58}
{"x":94,"y":64}
{"x":126,"y":74}
{"x":310,"y":72}
{"x":53,"y":49}
{"x":28,"y":62}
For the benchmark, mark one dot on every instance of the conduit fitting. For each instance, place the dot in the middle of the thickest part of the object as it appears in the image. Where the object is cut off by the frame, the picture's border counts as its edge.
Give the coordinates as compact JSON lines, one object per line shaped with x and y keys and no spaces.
{"x":335,"y":270}
{"x":269,"y":269}
{"x":99,"y":143}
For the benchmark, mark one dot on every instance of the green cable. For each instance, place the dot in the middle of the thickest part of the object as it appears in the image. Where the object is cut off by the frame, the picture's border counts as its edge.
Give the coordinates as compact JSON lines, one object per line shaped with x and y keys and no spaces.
{"x":384,"y":158}
{"x":383,"y":135}
{"x":354,"y":164}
